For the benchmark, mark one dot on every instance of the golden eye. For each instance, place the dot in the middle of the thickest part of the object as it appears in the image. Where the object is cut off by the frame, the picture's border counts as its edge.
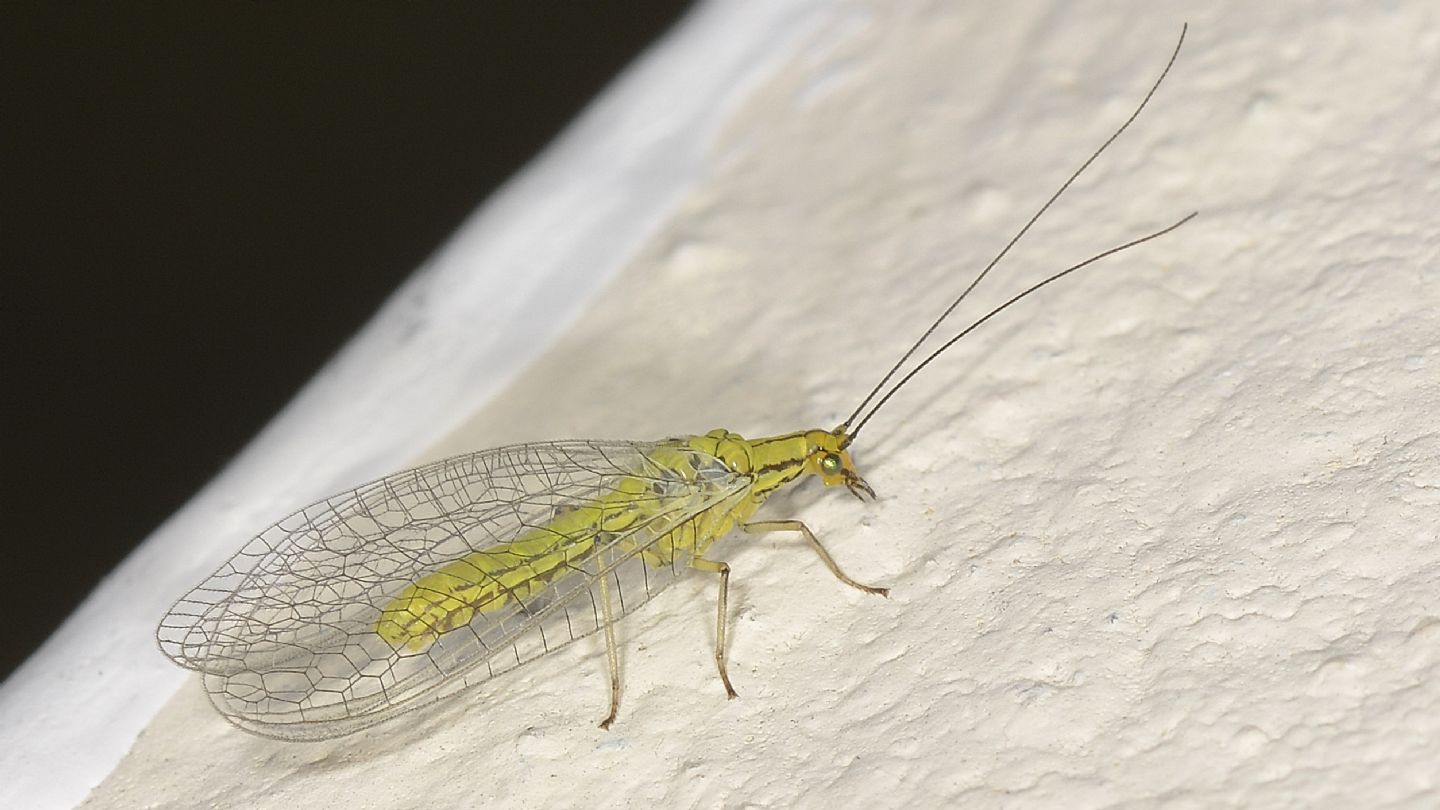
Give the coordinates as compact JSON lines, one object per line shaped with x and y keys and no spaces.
{"x":830,"y":464}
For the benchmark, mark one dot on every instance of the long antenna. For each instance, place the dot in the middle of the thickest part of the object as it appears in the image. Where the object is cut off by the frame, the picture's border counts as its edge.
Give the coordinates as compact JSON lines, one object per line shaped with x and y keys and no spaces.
{"x":996,"y":311}
{"x":1016,"y":238}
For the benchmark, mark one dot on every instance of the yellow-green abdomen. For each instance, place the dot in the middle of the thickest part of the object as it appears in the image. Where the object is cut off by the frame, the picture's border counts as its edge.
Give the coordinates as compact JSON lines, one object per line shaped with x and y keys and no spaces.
{"x":664,"y":506}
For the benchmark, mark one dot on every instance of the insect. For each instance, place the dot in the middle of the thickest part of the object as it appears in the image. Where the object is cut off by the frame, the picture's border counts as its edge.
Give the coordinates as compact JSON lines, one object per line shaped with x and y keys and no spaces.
{"x":411,"y":588}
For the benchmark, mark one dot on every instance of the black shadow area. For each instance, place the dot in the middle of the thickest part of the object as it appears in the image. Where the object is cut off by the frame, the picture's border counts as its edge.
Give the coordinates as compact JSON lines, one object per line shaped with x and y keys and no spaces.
{"x":199,"y":203}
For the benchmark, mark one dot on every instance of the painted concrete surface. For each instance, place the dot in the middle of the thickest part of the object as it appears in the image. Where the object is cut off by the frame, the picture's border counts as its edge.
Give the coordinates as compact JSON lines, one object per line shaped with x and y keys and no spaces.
{"x":1164,"y":535}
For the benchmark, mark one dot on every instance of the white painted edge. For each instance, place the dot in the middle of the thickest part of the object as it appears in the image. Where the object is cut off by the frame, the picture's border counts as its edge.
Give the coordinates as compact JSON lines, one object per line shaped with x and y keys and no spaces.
{"x":506,"y":285}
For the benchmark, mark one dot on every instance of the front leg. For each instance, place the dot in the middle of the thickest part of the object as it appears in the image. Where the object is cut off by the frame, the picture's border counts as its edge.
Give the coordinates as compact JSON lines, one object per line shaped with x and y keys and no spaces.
{"x":767,"y":526}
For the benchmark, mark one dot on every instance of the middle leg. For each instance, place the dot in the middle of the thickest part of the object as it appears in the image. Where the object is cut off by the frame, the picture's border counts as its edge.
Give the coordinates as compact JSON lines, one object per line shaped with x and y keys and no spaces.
{"x":723,"y":569}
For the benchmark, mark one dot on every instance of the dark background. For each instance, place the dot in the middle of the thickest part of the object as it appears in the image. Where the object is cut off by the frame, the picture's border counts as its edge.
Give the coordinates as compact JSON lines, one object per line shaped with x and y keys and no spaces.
{"x":199,"y":203}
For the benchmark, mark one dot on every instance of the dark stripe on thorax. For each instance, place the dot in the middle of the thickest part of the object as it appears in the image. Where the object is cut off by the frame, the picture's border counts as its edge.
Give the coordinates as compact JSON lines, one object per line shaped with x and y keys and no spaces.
{"x":765,"y":492}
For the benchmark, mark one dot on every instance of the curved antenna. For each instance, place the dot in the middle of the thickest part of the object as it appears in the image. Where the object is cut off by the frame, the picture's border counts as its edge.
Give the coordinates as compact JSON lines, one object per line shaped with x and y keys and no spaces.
{"x":1016,"y":238}
{"x":996,"y":311}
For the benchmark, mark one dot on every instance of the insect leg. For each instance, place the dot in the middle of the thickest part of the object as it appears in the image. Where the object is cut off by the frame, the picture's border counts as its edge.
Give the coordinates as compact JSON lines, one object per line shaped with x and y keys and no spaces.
{"x":612,"y":657}
{"x":723,"y":569}
{"x":767,"y":526}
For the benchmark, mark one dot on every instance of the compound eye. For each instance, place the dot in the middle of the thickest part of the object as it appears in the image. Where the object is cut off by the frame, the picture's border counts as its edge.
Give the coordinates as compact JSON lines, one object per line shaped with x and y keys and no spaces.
{"x":830,"y":464}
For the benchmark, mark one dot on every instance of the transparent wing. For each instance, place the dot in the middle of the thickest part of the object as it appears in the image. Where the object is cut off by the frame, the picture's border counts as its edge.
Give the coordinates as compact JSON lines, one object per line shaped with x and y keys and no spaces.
{"x":285,"y":631}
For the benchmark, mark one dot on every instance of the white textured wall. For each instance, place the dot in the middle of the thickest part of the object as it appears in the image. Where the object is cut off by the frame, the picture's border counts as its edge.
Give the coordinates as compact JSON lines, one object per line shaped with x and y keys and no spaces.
{"x":1165,"y":534}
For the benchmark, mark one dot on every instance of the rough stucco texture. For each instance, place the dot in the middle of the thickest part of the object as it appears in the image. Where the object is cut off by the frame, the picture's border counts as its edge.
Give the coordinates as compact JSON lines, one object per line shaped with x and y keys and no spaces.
{"x":1165,"y":534}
